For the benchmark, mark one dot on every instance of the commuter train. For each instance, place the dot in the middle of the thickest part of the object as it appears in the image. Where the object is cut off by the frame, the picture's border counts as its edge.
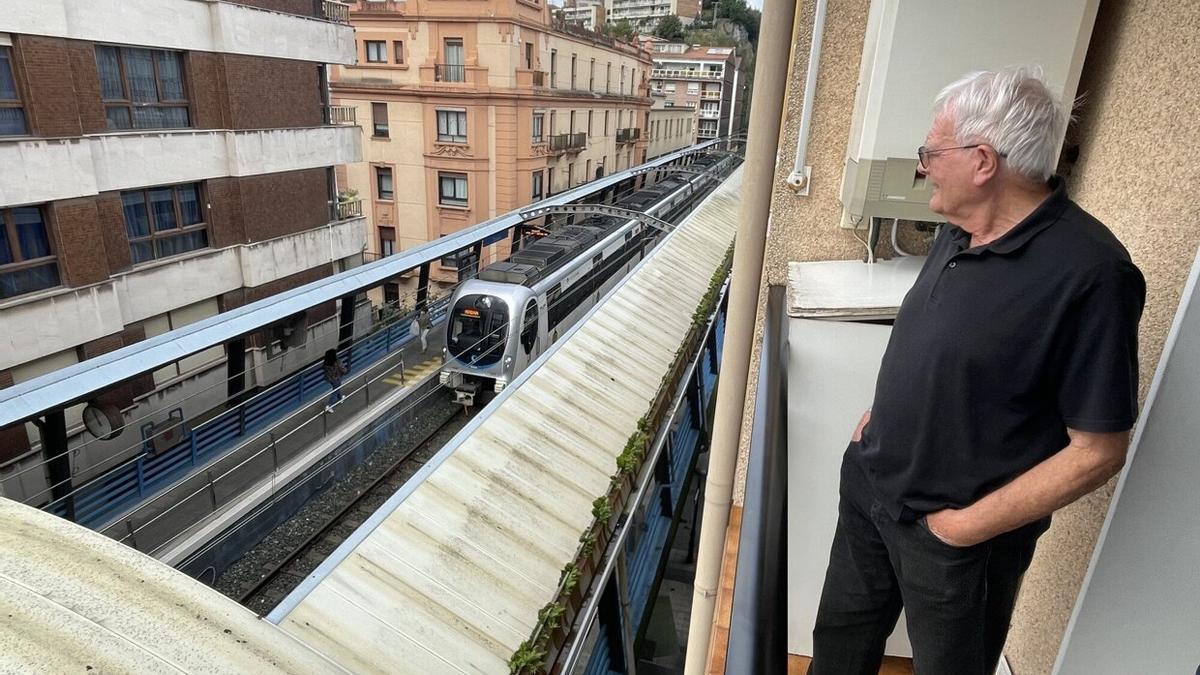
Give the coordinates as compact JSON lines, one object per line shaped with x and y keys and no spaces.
{"x":502,"y":320}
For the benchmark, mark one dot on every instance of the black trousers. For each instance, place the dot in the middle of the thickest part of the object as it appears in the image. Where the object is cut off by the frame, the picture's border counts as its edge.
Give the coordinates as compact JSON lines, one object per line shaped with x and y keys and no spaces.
{"x":957,"y":601}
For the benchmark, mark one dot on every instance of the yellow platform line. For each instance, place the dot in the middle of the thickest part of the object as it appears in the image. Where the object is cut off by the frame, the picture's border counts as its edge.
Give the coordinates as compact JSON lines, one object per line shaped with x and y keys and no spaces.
{"x":414,"y":373}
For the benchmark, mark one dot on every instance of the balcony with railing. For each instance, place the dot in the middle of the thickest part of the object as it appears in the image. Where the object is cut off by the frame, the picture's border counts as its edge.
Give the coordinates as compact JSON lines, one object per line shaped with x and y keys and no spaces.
{"x":710,"y":113}
{"x":449,"y":72}
{"x":339,"y":115}
{"x":707,"y":132}
{"x":345,"y":209}
{"x":686,"y":74}
{"x":711,"y":94}
{"x":337,"y":12}
{"x":628,"y":135}
{"x":564,"y":143}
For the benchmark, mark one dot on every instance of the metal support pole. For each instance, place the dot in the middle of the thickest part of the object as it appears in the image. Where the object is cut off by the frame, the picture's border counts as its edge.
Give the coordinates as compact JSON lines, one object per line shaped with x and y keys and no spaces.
{"x":132,"y":534}
{"x":766,"y":113}
{"x":621,"y":578}
{"x":346,"y":324}
{"x":515,"y":244}
{"x":235,"y":369}
{"x":422,"y":287}
{"x":609,"y":615}
{"x":212,"y":490}
{"x":53,"y":430}
{"x":274,"y":454}
{"x":476,"y":258}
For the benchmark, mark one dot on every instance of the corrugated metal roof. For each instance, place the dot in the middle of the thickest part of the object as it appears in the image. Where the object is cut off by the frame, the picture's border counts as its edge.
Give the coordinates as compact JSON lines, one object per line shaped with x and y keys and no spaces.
{"x":448,"y":576}
{"x":75,"y":601}
{"x":77,"y":382}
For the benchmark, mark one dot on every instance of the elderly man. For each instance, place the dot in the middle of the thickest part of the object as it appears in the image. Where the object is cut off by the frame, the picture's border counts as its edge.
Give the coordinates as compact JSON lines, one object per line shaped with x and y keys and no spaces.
{"x":1007,"y":391}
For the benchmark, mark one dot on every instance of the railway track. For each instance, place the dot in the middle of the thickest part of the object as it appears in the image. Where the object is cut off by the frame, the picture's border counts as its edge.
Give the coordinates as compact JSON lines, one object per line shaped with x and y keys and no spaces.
{"x":280,"y":574}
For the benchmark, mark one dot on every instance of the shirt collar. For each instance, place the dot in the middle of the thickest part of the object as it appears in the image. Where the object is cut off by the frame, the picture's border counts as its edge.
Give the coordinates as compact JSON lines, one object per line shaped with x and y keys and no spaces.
{"x":1042,"y":217}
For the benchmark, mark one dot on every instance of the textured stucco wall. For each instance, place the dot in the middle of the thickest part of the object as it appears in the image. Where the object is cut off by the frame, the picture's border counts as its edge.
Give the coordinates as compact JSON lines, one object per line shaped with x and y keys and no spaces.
{"x":806,"y":228}
{"x":1137,"y":135}
{"x":1137,"y":172}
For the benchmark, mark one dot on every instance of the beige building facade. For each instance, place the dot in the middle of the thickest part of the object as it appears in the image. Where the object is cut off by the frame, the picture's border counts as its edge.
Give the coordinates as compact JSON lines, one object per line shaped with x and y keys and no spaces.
{"x":646,"y":13}
{"x":669,"y":129}
{"x":1127,"y":160}
{"x":588,"y":14}
{"x":465,"y":119}
{"x":706,"y":80}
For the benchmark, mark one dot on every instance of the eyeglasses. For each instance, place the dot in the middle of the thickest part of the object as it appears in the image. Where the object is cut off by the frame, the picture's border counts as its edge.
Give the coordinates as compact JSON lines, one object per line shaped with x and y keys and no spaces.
{"x":924,"y":153}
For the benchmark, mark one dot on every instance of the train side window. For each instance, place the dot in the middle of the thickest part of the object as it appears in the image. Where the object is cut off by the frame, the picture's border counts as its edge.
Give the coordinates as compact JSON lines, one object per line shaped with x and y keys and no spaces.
{"x":529,"y":326}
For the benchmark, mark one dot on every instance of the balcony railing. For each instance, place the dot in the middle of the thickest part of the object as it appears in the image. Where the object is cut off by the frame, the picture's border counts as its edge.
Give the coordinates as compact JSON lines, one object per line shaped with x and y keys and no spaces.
{"x":345,"y":210}
{"x":686,"y":74}
{"x":449,"y":72}
{"x":710,"y":113}
{"x":340,"y":114}
{"x":711,"y":93}
{"x":568,"y":142}
{"x":628,"y":135}
{"x":706,"y":132}
{"x":539,"y":78}
{"x":338,"y":12}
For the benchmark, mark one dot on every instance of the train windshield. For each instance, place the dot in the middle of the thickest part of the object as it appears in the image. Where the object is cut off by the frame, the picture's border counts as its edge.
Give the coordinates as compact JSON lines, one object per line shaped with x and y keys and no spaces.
{"x":478,"y":329}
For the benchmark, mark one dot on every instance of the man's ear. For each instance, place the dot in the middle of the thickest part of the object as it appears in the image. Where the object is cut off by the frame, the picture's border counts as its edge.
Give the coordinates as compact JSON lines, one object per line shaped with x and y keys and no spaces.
{"x":987,"y":164}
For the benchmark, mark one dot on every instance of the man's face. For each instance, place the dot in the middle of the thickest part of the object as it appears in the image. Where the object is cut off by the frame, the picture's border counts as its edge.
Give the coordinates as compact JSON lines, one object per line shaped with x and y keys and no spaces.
{"x":950,"y":172}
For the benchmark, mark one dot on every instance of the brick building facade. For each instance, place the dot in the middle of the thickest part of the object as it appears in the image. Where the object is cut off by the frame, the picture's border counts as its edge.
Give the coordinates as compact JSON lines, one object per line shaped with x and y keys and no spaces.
{"x":159,"y":168}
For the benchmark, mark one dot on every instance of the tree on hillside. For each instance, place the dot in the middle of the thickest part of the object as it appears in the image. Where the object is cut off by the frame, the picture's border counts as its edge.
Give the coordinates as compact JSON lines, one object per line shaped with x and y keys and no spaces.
{"x":739,"y":12}
{"x":623,"y":29}
{"x":669,"y":28}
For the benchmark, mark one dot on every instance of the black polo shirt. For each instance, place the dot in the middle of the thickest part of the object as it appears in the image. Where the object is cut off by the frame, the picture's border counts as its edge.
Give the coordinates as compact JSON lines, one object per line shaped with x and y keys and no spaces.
{"x":997,"y":350}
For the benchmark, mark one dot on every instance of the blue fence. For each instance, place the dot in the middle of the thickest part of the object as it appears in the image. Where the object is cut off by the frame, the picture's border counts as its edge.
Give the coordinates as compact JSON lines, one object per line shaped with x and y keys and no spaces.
{"x":106,"y":497}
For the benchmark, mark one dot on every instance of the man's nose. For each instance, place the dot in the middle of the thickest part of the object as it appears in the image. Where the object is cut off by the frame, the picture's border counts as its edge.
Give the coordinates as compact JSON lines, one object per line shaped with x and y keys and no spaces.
{"x":921,"y":170}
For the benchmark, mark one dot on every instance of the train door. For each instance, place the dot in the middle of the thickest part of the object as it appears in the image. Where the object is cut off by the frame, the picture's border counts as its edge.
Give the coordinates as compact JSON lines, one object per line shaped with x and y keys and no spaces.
{"x":528,"y":340}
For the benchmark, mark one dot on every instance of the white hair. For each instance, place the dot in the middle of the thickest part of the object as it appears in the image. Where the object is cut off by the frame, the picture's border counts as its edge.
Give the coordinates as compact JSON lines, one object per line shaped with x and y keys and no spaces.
{"x":1011,"y":110}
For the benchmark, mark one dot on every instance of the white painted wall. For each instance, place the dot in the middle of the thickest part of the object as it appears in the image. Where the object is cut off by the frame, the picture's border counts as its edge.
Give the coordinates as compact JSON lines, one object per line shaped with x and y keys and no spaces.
{"x":41,"y":324}
{"x":37,"y":325}
{"x":200,"y":25}
{"x":39,"y":171}
{"x":832,"y":366}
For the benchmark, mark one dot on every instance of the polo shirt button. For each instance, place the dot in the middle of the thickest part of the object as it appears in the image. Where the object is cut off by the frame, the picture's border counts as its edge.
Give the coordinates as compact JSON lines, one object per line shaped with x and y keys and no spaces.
{"x":952,"y":265}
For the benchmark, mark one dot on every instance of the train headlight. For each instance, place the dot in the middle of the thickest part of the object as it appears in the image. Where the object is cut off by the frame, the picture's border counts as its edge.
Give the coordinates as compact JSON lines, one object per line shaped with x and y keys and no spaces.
{"x":508,"y":362}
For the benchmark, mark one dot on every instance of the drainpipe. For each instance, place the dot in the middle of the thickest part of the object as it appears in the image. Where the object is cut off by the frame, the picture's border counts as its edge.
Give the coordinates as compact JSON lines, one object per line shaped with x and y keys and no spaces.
{"x":766,"y":112}
{"x":801,"y":174}
{"x":732,"y":104}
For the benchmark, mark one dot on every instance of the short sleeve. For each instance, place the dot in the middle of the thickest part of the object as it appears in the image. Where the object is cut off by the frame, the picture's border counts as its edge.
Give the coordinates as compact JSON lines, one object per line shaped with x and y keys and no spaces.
{"x":1099,"y":386}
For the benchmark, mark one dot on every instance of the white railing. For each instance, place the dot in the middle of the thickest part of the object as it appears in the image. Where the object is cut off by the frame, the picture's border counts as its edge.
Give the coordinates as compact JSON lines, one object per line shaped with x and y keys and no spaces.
{"x":338,"y":12}
{"x":686,"y":74}
{"x":710,"y":113}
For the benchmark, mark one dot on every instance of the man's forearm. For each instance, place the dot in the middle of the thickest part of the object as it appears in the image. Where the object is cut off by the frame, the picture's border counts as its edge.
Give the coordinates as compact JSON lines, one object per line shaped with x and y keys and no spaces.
{"x":1057,"y":481}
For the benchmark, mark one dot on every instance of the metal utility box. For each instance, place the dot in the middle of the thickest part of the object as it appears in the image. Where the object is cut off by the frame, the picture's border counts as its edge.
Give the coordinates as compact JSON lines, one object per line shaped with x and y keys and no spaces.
{"x":912,"y":49}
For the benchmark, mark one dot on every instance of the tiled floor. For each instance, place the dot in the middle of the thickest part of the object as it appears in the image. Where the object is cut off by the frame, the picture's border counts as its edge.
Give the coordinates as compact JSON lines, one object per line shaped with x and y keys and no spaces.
{"x":797,"y":665}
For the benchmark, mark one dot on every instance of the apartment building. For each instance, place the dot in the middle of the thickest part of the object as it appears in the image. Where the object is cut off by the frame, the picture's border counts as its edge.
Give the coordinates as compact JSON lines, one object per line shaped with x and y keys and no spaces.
{"x":466,"y":118}
{"x":669,"y":128}
{"x":588,"y":14}
{"x":708,"y":80}
{"x":160,"y":167}
{"x":646,"y":13}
